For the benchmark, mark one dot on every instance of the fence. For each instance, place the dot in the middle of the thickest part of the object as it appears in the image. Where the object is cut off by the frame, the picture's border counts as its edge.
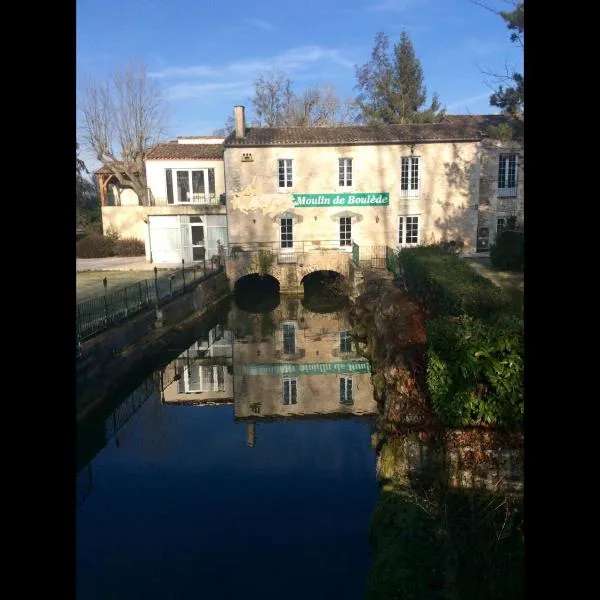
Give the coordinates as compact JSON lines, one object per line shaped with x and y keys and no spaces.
{"x":97,"y":314}
{"x":375,"y":257}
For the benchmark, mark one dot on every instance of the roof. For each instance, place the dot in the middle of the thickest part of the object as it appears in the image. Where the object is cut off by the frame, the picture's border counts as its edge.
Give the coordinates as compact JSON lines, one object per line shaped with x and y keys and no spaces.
{"x":173,"y":150}
{"x":105,"y":170}
{"x":453,"y":128}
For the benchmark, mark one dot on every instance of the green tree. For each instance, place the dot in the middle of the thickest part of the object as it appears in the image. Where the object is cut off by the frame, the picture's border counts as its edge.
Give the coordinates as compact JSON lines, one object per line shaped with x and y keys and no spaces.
{"x":510,"y":99}
{"x":391,"y":88}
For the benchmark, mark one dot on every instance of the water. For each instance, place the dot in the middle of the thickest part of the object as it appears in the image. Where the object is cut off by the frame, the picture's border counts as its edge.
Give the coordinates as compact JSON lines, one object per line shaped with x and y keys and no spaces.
{"x":240,"y":468}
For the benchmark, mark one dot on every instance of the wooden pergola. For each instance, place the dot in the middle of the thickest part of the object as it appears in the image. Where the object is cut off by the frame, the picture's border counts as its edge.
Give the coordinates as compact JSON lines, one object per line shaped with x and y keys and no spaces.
{"x":104,"y":175}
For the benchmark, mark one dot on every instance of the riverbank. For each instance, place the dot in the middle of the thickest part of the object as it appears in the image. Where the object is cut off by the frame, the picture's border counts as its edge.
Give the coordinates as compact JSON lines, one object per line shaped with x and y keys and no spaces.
{"x":437,"y":483}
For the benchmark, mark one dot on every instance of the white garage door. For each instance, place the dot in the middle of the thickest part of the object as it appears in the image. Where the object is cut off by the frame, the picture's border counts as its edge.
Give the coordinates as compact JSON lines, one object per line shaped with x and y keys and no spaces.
{"x":165,"y":239}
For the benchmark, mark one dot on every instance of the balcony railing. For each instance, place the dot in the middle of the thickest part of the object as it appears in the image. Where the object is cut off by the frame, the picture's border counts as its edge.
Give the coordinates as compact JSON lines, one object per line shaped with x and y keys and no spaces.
{"x":507,"y":192}
{"x":197,"y":200}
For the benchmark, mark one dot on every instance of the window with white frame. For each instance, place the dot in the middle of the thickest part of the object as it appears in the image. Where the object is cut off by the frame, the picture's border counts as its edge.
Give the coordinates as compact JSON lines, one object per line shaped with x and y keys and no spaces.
{"x":289,"y":392}
{"x":288,"y":331}
{"x":345,"y":172}
{"x":197,"y":378}
{"x":190,"y":186}
{"x":345,"y":341}
{"x":409,"y":176}
{"x":507,"y":175}
{"x":287,"y":233}
{"x":345,"y":231}
{"x":285,"y":172}
{"x":346,"y":390}
{"x":408,"y":230}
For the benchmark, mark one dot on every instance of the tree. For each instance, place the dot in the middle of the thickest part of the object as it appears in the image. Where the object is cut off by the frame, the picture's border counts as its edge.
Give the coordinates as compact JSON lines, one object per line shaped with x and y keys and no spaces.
{"x":123,"y":119}
{"x":277,"y":105}
{"x":511,"y":100}
{"x":391,"y":88}
{"x":87,"y":199}
{"x":227,"y":128}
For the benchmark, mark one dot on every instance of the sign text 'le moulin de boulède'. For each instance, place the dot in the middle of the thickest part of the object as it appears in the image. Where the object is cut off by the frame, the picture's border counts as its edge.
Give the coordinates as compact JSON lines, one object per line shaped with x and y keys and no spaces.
{"x":382,"y":199}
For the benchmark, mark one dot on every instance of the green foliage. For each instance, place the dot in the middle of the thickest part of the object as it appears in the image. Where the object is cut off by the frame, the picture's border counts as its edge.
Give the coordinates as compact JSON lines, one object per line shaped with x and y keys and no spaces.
{"x":511,"y":99}
{"x":391,"y":88}
{"x":507,"y":254}
{"x":475,"y":370}
{"x":446,"y":285}
{"x":88,"y":214}
{"x":265,"y":261}
{"x":95,"y":246}
{"x":129,"y":247}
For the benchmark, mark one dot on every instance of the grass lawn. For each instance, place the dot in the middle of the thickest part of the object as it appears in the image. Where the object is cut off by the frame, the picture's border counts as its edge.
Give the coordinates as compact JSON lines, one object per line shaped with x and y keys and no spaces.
{"x":511,"y":282}
{"x":89,"y":283}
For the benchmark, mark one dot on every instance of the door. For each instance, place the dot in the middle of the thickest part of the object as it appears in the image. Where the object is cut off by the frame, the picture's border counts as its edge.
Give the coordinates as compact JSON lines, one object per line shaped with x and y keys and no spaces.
{"x":165,"y":239}
{"x":197,"y":239}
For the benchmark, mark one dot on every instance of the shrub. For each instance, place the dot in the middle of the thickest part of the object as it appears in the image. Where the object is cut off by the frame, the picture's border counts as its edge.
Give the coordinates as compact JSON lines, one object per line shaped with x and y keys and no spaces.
{"x":447,"y":286}
{"x":95,"y":246}
{"x":129,"y":247}
{"x":507,"y":254}
{"x":475,"y":370}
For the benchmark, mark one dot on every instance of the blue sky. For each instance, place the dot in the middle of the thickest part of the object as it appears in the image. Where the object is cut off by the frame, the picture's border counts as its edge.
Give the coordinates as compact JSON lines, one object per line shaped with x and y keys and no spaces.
{"x":207,"y":54}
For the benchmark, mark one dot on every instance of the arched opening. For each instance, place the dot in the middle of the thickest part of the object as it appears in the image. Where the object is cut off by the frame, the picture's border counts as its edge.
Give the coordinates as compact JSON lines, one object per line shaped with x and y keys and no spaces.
{"x":256,"y":293}
{"x":325,"y":291}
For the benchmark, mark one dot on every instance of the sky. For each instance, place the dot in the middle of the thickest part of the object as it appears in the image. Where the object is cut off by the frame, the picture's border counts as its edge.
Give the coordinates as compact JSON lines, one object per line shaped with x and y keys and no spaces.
{"x":206,"y":54}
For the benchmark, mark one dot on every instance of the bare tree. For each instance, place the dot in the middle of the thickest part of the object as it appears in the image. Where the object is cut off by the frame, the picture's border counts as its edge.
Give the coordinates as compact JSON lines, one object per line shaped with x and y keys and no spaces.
{"x":276,"y":104}
{"x":227,"y":128}
{"x":123,"y":118}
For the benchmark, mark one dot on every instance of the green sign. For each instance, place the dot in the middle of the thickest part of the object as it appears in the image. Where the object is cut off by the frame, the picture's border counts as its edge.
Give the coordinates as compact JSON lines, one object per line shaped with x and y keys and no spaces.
{"x":382,"y":199}
{"x":293,"y":369}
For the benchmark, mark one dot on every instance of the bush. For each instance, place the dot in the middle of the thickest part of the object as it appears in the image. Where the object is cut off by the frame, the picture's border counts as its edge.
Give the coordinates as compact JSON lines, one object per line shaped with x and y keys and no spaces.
{"x":447,"y":286}
{"x":507,"y":253}
{"x":95,"y":246}
{"x":475,"y":371}
{"x":129,"y":247}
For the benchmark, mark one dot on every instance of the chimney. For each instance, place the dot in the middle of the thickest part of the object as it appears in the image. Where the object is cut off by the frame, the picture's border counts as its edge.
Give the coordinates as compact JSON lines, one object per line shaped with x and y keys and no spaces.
{"x":240,"y":122}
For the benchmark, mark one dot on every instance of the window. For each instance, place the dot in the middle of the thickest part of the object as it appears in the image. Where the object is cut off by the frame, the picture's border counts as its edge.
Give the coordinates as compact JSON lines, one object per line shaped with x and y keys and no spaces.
{"x":193,"y":186}
{"x":409,"y":177}
{"x":346,"y":390}
{"x":290,"y":392}
{"x":203,"y":379}
{"x":500,"y":225}
{"x":287,"y":233}
{"x":345,"y":172}
{"x":408,"y":231}
{"x":345,"y":341}
{"x":285,"y":172}
{"x":289,"y":338}
{"x":345,"y":231}
{"x":507,"y":175}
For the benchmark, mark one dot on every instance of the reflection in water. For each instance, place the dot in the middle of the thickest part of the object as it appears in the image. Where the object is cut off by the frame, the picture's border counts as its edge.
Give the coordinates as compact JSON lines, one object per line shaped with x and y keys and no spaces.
{"x":190,"y":495}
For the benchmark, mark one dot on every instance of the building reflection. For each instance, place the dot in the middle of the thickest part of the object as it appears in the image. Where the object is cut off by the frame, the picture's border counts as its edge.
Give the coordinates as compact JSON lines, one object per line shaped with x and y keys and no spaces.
{"x":203,"y":373}
{"x":294,"y":363}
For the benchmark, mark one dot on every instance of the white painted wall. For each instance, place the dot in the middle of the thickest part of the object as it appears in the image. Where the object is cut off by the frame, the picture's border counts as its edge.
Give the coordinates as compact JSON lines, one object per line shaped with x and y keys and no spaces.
{"x":157,"y":180}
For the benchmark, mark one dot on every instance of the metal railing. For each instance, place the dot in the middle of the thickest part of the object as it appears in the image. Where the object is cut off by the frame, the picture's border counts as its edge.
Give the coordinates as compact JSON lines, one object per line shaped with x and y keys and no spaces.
{"x":197,"y":200}
{"x":236,"y":250}
{"x":375,"y":257}
{"x":100,"y":313}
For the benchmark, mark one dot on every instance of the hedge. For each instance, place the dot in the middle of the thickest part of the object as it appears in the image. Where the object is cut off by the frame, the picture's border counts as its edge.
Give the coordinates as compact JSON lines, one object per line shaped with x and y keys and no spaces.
{"x":474,"y":372}
{"x":508,"y":252}
{"x":94,"y":245}
{"x":447,"y":286}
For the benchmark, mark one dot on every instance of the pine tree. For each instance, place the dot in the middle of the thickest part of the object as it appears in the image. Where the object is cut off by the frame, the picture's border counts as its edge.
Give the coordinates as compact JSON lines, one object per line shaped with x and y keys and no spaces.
{"x":391,"y":88}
